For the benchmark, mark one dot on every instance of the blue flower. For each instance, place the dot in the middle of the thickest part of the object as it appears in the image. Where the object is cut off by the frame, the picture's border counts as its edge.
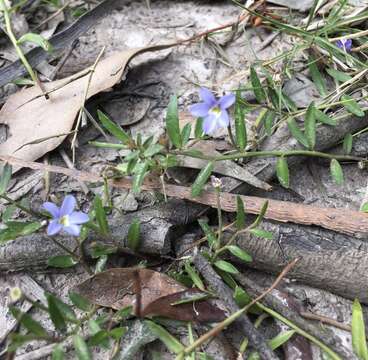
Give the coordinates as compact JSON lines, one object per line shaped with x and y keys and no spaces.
{"x":344,"y":44}
{"x":212,"y":110}
{"x":65,"y":218}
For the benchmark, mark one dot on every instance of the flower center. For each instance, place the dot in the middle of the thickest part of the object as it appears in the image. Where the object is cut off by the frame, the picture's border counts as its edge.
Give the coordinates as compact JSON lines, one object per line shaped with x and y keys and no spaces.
{"x":64,"y":220}
{"x":215,"y":111}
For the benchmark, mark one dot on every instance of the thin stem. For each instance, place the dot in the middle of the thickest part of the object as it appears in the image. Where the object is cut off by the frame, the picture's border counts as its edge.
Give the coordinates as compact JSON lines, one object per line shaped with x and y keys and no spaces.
{"x":20,"y":207}
{"x":14,"y":41}
{"x":219,"y":215}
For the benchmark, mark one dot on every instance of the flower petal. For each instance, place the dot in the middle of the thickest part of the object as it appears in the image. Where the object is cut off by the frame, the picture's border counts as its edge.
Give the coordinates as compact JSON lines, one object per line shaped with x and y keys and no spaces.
{"x":210,"y":124}
{"x":223,"y":120}
{"x":199,"y":110}
{"x":78,"y":217}
{"x":207,"y":96}
{"x":54,"y":227}
{"x":68,"y":205}
{"x":72,"y":229}
{"x":52,"y":209}
{"x":226,"y":101}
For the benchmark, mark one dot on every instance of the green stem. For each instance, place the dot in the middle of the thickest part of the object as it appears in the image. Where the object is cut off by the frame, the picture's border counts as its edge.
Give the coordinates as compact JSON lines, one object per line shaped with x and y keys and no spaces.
{"x":14,"y":41}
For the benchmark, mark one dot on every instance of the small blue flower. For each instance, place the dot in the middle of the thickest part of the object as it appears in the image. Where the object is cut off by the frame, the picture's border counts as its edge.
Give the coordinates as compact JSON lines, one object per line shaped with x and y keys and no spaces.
{"x":344,"y":44}
{"x":65,"y":218}
{"x":212,"y":110}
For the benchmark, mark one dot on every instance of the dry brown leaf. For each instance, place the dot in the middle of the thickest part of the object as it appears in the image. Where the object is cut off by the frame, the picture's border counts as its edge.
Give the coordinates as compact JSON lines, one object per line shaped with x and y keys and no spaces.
{"x":149,"y":292}
{"x":30,"y":117}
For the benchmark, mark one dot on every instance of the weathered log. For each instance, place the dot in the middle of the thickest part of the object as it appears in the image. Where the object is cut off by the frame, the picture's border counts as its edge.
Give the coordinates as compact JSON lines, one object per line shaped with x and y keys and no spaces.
{"x":328,"y":260}
{"x":159,"y":226}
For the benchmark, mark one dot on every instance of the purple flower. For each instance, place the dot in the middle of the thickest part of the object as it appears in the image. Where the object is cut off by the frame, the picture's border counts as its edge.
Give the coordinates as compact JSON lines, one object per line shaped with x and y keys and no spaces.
{"x":212,"y":110}
{"x":344,"y":44}
{"x":65,"y":218}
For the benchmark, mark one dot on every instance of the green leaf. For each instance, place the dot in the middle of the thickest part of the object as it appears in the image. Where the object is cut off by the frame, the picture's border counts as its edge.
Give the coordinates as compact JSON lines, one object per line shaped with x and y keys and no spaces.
{"x":113,"y":128}
{"x":134,"y":235}
{"x":172,"y":122}
{"x":240,"y":128}
{"x":317,"y":77}
{"x":65,"y":310}
{"x":140,"y":171}
{"x":297,"y":133}
{"x":241,"y":297}
{"x":185,"y":133}
{"x":211,"y":237}
{"x":198,"y":130}
{"x":57,"y":352}
{"x":240,"y":253}
{"x":351,"y":105}
{"x":261,"y":233}
{"x":153,"y":149}
{"x":5,"y":178}
{"x":240,"y":213}
{"x":338,"y":75}
{"x":80,"y":301}
{"x":81,"y":348}
{"x":100,"y":264}
{"x":310,"y":126}
{"x":323,"y":118}
{"x":269,"y":119}
{"x":364,"y":207}
{"x":35,"y":39}
{"x":17,"y":228}
{"x":124,"y":313}
{"x":336,"y":172}
{"x":8,"y":213}
{"x":101,"y":216}
{"x":348,"y":143}
{"x":118,"y":332}
{"x":99,"y":338}
{"x":173,"y":344}
{"x":226,"y":266}
{"x":358,"y":331}
{"x":62,"y":261}
{"x":260,"y":215}
{"x":194,"y":276}
{"x":257,"y":86}
{"x":282,"y":171}
{"x":201,"y":179}
{"x":55,"y":314}
{"x":28,"y":322}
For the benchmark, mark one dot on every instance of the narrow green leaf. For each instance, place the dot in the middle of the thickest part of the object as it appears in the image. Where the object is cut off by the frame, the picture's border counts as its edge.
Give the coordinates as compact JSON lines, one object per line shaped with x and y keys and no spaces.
{"x":81,"y":348}
{"x":62,"y":261}
{"x":240,"y":253}
{"x":358,"y":331}
{"x":28,"y":322}
{"x":211,"y":238}
{"x":261,"y":233}
{"x":201,"y":179}
{"x":134,"y":235}
{"x":169,"y":340}
{"x":260,"y":215}
{"x":269,"y":119}
{"x":348,"y":143}
{"x":185,"y":133}
{"x":18,"y":228}
{"x":118,"y":332}
{"x":323,"y":118}
{"x":364,"y":207}
{"x":194,"y":276}
{"x":338,"y":75}
{"x":140,"y":171}
{"x":124,"y":313}
{"x":296,"y":132}
{"x":257,"y":86}
{"x":99,"y":338}
{"x":240,"y":128}
{"x":198,"y":130}
{"x":101,"y":264}
{"x":351,"y":105}
{"x":226,"y":266}
{"x":282,"y":171}
{"x":80,"y":301}
{"x":101,"y":216}
{"x":152,"y":149}
{"x":35,"y":39}
{"x":5,"y":177}
{"x":172,"y":122}
{"x":65,"y":310}
{"x":113,"y":128}
{"x":310,"y":126}
{"x":240,"y":213}
{"x":55,"y":315}
{"x":241,"y":297}
{"x":336,"y":172}
{"x":57,"y":352}
{"x":317,"y":77}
